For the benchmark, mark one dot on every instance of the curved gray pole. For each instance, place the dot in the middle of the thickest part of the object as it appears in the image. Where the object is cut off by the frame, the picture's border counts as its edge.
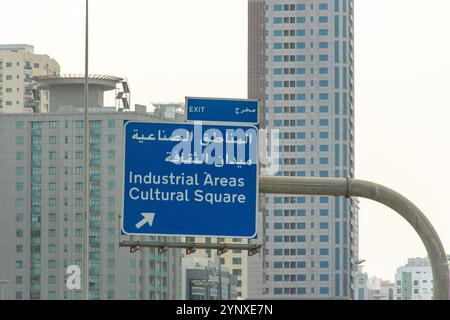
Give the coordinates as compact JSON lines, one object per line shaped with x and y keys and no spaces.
{"x":379,"y":193}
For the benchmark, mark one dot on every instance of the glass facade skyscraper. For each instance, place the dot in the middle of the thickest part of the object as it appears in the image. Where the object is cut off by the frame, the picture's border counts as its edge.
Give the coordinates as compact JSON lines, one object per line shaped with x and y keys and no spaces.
{"x":301,"y":67}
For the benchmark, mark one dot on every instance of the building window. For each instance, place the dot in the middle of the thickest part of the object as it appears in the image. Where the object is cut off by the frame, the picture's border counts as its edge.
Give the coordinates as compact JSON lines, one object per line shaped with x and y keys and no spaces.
{"x":19,"y":155}
{"x":324,"y":290}
{"x":111,"y":201}
{"x":79,"y":202}
{"x":19,"y":217}
{"x":110,"y":295}
{"x":19,"y":187}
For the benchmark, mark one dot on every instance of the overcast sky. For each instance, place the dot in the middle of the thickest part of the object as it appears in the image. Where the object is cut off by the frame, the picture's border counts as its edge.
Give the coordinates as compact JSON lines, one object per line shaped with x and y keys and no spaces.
{"x":169,"y":49}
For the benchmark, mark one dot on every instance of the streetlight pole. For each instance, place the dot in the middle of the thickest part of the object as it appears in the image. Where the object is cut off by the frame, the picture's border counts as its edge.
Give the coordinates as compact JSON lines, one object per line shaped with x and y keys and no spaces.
{"x":86,"y":164}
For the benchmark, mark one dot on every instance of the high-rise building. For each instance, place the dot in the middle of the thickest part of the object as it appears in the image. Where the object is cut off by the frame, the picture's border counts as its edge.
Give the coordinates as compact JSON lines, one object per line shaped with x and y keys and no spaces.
{"x":18,"y":91}
{"x":361,"y":291}
{"x":372,"y":288}
{"x":204,"y":279}
{"x":414,"y":280}
{"x":235,"y":260}
{"x":41,"y":197}
{"x":301,"y":69}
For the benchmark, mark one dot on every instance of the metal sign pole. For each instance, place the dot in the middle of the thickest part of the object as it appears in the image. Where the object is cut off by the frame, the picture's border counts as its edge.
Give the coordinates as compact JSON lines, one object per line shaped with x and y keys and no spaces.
{"x":347,"y":188}
{"x":86,"y":165}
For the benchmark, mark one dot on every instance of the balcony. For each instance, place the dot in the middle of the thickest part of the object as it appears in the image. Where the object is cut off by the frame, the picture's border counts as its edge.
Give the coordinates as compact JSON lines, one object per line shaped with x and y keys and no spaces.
{"x":94,"y":194}
{"x":95,"y":131}
{"x":36,"y":272}
{"x":94,"y":241}
{"x":94,"y":177}
{"x":94,"y":209}
{"x":94,"y":224}
{"x":36,"y":178}
{"x":36,"y":163}
{"x":94,"y":255}
{"x":94,"y":286}
{"x":156,"y":288}
{"x":94,"y":271}
{"x":95,"y":162}
{"x":36,"y":225}
{"x":36,"y":209}
{"x":36,"y":256}
{"x":36,"y":147}
{"x":95,"y":214}
{"x":36,"y":194}
{"x":35,"y":240}
{"x":35,"y":287}
{"x":95,"y":147}
{"x":35,"y":295}
{"x":36,"y":132}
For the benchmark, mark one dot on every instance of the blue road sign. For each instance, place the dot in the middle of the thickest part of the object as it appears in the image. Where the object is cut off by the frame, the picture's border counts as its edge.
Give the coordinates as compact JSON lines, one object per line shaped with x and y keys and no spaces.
{"x":190,"y":180}
{"x":222,"y":110}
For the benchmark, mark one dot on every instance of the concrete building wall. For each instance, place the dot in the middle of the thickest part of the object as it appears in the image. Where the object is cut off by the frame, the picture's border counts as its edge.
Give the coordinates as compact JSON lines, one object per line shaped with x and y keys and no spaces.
{"x":18,"y":65}
{"x":74,"y":96}
{"x":41,"y":211}
{"x":414,"y":281}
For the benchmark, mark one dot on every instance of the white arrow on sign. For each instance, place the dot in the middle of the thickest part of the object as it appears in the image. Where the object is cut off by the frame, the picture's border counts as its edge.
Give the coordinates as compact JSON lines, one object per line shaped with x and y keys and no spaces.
{"x":148,"y":218}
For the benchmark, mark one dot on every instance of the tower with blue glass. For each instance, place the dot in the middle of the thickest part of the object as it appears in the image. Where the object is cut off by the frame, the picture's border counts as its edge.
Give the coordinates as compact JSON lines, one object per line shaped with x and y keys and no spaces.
{"x":301,"y":67}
